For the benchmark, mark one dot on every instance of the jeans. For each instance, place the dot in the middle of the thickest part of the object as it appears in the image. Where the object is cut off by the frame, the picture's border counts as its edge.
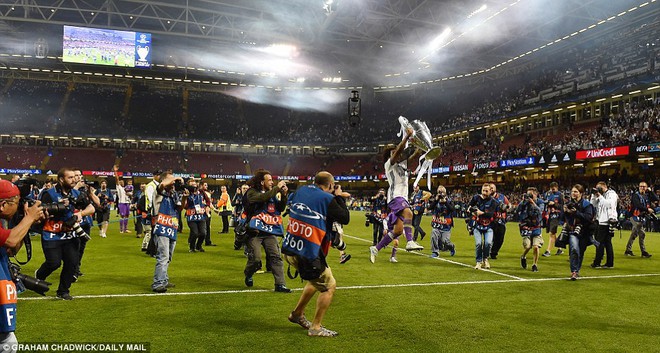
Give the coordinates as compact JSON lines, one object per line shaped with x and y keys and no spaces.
{"x":577,"y":246}
{"x":440,"y":240}
{"x":483,"y":241}
{"x":637,"y":231}
{"x":164,"y":250}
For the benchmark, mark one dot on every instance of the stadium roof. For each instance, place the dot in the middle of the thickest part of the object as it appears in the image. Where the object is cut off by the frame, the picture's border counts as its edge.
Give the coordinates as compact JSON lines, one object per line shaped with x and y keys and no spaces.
{"x":362,"y":41}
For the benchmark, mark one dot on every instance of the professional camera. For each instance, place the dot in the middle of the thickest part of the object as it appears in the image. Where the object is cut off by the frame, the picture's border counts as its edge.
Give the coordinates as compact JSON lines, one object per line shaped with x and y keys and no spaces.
{"x":370,"y":219}
{"x":180,"y":185}
{"x":504,"y":207}
{"x":526,"y":197}
{"x":597,"y":190}
{"x":24,"y":282}
{"x":473,"y":209}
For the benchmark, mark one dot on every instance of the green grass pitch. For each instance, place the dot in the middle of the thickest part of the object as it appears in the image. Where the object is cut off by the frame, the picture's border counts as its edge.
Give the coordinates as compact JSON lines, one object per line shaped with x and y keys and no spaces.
{"x":419,"y":304}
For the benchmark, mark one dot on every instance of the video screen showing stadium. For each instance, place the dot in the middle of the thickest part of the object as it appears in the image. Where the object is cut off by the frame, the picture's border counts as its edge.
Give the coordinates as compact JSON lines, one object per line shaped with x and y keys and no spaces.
{"x":106,"y":47}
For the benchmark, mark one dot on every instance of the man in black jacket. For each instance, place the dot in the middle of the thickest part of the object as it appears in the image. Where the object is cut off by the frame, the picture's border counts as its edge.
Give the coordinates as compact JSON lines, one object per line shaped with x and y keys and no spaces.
{"x":641,"y":208}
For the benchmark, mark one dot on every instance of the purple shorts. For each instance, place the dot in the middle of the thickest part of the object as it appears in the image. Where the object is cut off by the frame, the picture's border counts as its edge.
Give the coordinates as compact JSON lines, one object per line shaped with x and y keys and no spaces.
{"x":124,"y":209}
{"x":395,"y":206}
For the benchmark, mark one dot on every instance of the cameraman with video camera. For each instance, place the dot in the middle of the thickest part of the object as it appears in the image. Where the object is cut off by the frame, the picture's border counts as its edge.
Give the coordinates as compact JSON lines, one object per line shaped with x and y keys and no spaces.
{"x":10,"y":242}
{"x":605,"y":201}
{"x":61,"y":232}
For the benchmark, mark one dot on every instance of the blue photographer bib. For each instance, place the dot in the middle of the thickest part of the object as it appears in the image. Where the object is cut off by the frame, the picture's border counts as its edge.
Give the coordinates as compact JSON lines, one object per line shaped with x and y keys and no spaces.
{"x":8,"y":295}
{"x":167,"y":221}
{"x":307,"y":226}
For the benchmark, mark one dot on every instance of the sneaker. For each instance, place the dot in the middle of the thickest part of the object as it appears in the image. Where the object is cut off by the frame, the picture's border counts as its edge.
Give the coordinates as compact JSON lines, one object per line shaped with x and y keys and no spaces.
{"x":249,"y":281}
{"x":102,"y":235}
{"x":523,"y":262}
{"x":547,"y":254}
{"x":486,"y":264}
{"x":393,"y":260}
{"x":160,"y":289}
{"x":282,"y":288}
{"x":646,"y":255}
{"x":373,"y":253}
{"x":434,"y":255}
{"x":170,"y":285}
{"x":452,"y":252}
{"x":493,"y":257}
{"x":477,"y":266}
{"x":321,"y":332}
{"x":413,"y":246}
{"x":629,"y":253}
{"x":535,"y":268}
{"x":344,"y":258}
{"x":559,"y":252}
{"x":574,"y":276}
{"x":64,"y":296}
{"x":201,"y":250}
{"x":300,"y":320}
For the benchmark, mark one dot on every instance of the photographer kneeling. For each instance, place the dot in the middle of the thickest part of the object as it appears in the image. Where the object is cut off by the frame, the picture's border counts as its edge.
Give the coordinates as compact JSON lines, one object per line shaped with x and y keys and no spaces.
{"x":314,"y":209}
{"x":10,"y":243}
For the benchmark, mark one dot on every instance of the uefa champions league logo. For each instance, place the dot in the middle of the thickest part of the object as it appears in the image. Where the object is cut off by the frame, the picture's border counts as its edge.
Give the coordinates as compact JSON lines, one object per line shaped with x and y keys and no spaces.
{"x":143,"y":39}
{"x":142,"y":52}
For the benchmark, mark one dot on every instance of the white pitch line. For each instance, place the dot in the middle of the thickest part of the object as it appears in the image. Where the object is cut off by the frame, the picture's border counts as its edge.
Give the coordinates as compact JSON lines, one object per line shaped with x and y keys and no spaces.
{"x":447,"y":260}
{"x":376,"y":286}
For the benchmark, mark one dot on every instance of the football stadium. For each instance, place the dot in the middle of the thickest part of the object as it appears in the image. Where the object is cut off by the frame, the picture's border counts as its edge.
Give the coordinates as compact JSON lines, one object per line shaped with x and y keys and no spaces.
{"x":329,"y":175}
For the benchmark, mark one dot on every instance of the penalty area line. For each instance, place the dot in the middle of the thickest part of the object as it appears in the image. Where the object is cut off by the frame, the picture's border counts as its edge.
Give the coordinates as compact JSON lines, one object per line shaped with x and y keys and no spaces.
{"x":375,"y":286}
{"x":447,"y":260}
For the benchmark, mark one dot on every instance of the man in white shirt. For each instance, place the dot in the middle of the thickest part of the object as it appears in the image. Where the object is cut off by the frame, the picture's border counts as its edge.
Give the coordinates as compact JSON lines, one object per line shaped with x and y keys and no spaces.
{"x":605,"y":201}
{"x":399,"y":219}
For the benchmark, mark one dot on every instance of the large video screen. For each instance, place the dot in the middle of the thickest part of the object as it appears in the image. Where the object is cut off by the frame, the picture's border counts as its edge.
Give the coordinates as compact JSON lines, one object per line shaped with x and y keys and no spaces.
{"x":106,"y":47}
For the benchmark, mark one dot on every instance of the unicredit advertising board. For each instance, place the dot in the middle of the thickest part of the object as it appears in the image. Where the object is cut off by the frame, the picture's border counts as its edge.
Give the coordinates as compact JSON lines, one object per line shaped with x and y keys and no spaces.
{"x":603,"y":152}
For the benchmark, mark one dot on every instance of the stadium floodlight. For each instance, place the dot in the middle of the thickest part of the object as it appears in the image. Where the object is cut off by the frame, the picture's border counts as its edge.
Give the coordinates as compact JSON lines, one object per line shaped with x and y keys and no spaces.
{"x":439,"y":40}
{"x":354,"y":105}
{"x":329,"y":6}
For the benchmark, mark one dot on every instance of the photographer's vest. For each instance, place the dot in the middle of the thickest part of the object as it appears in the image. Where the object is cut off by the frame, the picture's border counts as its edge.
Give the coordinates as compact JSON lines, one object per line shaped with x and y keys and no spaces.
{"x":530,"y":219}
{"x":417,"y":202}
{"x":554,"y":212}
{"x":637,"y":213}
{"x":483,"y":222}
{"x":379,"y":208}
{"x":8,"y":295}
{"x":500,"y":217}
{"x":442,"y":218}
{"x":267,"y":219}
{"x":196,"y":208}
{"x":307,"y":224}
{"x":167,"y":221}
{"x":53,"y":229}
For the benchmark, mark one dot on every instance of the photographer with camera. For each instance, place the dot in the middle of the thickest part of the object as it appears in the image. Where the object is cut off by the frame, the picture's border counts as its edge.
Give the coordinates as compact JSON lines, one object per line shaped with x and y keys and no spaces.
{"x":530,"y":218}
{"x":578,"y":219}
{"x":605,"y":202}
{"x":196,"y":215}
{"x":642,"y":208}
{"x":264,"y":204}
{"x":166,"y":225}
{"x":483,"y":208}
{"x":86,"y":192}
{"x":554,"y":203}
{"x":377,"y":215}
{"x":10,"y":243}
{"x":60,"y":237}
{"x":418,"y":200}
{"x":442,"y":223}
{"x":499,"y":226}
{"x":315,"y":208}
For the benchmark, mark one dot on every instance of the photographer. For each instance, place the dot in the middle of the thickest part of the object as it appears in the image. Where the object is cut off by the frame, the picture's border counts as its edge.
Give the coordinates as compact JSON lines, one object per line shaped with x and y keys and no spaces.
{"x":642,"y":202}
{"x":59,"y":241}
{"x":530,"y":227}
{"x":195,"y":206}
{"x":442,"y":223}
{"x":554,"y":203}
{"x":10,"y":242}
{"x":315,"y":207}
{"x":377,"y":215}
{"x":238,"y":210}
{"x":578,"y":218}
{"x":86,"y":191}
{"x":499,"y":226}
{"x":166,"y":224}
{"x":483,"y":208}
{"x":417,"y":201}
{"x":605,"y":202}
{"x":265,"y":204}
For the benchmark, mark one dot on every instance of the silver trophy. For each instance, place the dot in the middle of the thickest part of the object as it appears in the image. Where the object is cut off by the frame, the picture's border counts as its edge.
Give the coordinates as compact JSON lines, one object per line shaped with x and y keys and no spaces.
{"x":421,"y":138}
